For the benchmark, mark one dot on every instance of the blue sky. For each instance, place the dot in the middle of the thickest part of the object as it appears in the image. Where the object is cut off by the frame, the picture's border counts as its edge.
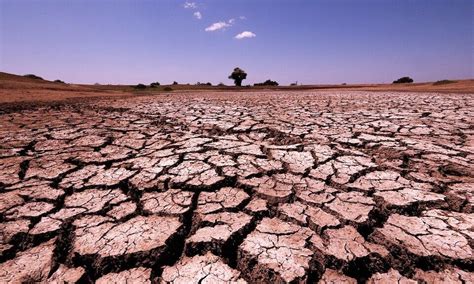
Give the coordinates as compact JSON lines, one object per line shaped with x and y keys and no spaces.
{"x":331,"y":41}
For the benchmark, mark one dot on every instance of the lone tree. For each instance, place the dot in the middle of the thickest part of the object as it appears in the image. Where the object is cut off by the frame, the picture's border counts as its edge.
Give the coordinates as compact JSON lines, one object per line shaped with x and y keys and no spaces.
{"x":238,"y":76}
{"x":403,"y":80}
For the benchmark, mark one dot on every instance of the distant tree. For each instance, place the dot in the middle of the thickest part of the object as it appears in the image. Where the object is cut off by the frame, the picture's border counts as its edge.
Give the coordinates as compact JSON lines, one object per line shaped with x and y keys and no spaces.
{"x":221,"y":84}
{"x":238,"y":75}
{"x":443,"y":82}
{"x":155,"y":84}
{"x":267,"y":83}
{"x":59,"y":81}
{"x":203,"y":84}
{"x":403,"y":80}
{"x":293,"y":84}
{"x":271,"y":83}
{"x":140,"y":87}
{"x":33,"y":76}
{"x":175,"y":83}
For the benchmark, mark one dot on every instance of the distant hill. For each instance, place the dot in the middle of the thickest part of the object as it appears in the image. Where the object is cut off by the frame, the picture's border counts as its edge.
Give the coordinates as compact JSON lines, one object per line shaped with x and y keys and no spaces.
{"x":12,"y":81}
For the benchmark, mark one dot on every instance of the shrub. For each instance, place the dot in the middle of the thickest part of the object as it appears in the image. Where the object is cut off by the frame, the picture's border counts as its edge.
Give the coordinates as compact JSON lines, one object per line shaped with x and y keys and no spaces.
{"x":293,"y":84}
{"x":33,"y":76}
{"x":403,"y":80}
{"x":203,"y":84}
{"x":267,"y":83}
{"x":168,"y":89}
{"x":221,"y":84}
{"x":155,"y":84}
{"x":140,"y":87}
{"x":175,"y":83}
{"x":59,"y":81}
{"x":443,"y":82}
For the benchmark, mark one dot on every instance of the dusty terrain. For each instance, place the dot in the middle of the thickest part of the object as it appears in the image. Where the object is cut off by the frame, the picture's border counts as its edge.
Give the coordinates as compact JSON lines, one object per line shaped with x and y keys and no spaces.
{"x":15,"y":89}
{"x":329,"y":187}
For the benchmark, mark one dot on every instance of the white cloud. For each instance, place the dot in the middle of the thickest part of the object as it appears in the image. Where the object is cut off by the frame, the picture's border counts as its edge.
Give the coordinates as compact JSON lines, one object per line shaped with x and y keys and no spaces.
{"x":222,"y":25}
{"x":245,"y":34}
{"x":217,"y":26}
{"x":190,"y":5}
{"x":197,"y":15}
{"x":243,"y":18}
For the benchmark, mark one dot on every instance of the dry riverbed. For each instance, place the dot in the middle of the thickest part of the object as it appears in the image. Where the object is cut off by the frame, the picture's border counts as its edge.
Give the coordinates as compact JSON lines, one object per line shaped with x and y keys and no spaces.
{"x":239,"y":187}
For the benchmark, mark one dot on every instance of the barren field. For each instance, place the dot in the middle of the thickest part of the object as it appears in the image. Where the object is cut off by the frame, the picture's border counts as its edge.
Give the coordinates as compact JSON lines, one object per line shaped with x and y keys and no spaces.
{"x":261,"y":187}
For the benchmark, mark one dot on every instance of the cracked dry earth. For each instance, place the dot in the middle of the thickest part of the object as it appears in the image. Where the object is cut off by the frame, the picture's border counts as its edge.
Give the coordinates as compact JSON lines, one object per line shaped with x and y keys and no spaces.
{"x":320,"y":187}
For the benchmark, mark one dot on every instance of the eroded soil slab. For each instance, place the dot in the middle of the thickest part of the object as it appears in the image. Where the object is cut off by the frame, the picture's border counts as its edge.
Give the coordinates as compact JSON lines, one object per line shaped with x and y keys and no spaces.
{"x":100,"y":235}
{"x":268,"y":187}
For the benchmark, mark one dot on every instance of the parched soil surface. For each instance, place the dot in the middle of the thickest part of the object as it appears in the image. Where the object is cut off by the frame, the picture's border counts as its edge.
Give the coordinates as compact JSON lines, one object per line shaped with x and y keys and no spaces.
{"x":328,"y":187}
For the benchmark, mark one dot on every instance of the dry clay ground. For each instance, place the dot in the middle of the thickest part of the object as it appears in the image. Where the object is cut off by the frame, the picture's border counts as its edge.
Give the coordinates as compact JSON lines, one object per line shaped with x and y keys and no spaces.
{"x":325,"y":187}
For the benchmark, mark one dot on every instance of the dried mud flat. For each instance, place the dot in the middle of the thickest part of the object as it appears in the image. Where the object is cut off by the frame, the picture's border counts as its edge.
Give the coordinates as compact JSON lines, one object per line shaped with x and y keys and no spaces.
{"x":330,"y":187}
